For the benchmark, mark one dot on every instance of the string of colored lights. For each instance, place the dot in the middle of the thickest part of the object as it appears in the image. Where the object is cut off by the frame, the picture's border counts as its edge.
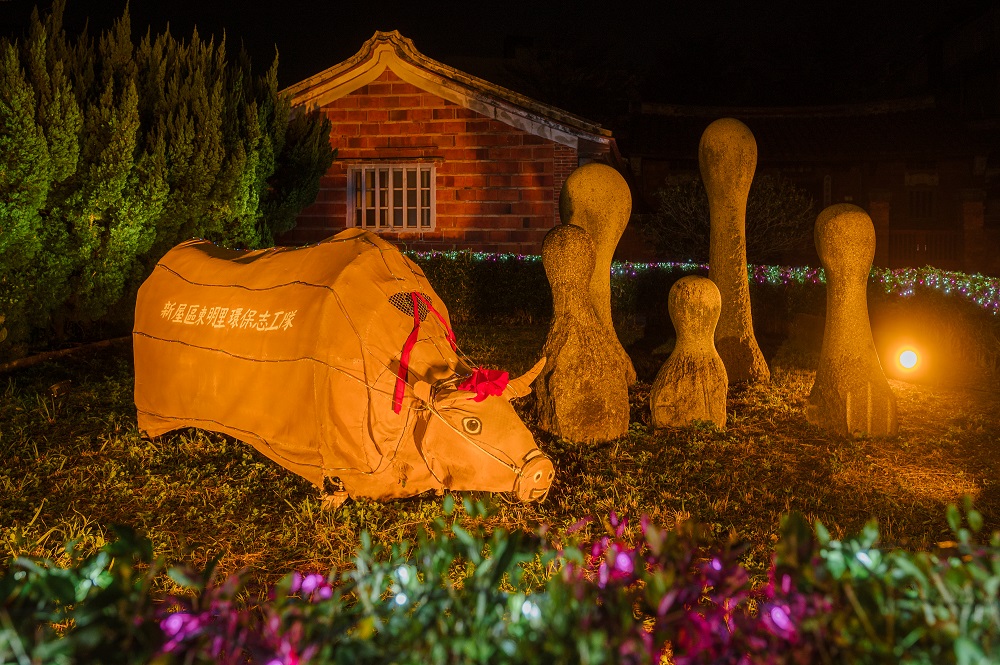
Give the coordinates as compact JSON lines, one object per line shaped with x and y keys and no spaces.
{"x":982,"y":290}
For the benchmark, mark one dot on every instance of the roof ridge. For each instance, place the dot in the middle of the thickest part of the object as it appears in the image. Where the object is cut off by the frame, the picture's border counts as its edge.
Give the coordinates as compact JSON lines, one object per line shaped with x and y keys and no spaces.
{"x":406,"y":51}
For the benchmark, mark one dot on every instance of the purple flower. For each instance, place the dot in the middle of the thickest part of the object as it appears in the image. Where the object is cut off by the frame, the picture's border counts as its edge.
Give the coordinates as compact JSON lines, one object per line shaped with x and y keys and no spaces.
{"x":179,"y":627}
{"x":618,"y":565}
{"x":311,"y":582}
{"x":176,"y":623}
{"x":599,"y":547}
{"x":617,"y":524}
{"x":777,"y":620}
{"x":624,"y":563}
{"x":644,"y":523}
{"x":313,"y":586}
{"x":780,"y":618}
{"x":579,"y":524}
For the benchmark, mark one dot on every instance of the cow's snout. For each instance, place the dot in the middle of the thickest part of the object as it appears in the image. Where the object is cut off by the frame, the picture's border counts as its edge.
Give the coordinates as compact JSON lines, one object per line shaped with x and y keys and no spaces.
{"x":535,"y":478}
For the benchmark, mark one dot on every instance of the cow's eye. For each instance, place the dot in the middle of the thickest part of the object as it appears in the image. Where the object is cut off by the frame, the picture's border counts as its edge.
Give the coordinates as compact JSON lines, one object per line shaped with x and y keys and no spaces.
{"x":472,"y":425}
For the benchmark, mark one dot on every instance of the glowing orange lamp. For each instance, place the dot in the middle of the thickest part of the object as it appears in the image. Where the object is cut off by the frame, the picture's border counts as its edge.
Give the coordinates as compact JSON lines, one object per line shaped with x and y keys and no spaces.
{"x":908,"y":359}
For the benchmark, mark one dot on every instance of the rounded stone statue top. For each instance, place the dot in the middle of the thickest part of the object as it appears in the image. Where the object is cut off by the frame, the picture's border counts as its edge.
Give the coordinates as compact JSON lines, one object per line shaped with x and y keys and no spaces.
{"x":568,"y":256}
{"x":694,"y":304}
{"x":596,"y":197}
{"x":845,"y":240}
{"x":727,"y":157}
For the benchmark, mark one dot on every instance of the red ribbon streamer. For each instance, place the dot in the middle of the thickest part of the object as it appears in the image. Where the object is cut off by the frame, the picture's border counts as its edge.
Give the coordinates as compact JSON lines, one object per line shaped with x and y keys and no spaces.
{"x":411,"y":340}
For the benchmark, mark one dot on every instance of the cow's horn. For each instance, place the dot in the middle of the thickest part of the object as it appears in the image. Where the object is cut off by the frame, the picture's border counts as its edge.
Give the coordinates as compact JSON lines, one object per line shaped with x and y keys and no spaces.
{"x":521,"y":386}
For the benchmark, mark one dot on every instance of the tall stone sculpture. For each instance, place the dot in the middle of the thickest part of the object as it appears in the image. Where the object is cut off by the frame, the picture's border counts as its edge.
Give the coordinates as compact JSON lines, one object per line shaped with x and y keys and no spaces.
{"x":582,"y":392}
{"x":691,"y":384}
{"x":727,"y":156}
{"x":596,"y":198}
{"x":851,"y":393}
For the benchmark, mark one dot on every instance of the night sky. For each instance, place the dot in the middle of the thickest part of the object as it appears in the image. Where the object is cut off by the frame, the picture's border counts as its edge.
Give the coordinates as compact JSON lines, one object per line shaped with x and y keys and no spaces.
{"x":690,"y":52}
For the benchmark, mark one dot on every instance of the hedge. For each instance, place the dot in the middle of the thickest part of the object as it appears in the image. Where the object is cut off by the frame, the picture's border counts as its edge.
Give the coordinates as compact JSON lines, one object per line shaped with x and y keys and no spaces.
{"x":950,"y":315}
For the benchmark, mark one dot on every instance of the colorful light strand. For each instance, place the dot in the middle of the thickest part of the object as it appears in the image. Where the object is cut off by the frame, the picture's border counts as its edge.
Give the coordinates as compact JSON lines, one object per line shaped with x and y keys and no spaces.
{"x":982,"y":290}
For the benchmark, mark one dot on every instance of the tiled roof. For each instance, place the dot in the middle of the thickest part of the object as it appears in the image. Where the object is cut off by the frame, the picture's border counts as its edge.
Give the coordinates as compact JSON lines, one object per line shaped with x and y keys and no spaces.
{"x":905,"y":129}
{"x":393,"y":51}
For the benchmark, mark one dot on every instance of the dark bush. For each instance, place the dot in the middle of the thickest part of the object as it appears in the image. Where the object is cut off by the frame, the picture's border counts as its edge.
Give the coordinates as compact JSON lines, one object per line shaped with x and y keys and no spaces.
{"x":779,"y":218}
{"x":493,"y":288}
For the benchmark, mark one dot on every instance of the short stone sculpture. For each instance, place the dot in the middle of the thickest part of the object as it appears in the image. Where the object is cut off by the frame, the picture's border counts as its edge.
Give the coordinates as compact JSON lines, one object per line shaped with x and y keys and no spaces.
{"x":691,"y":385}
{"x":851,"y":393}
{"x":596,"y":198}
{"x":727,"y":156}
{"x":582,"y":390}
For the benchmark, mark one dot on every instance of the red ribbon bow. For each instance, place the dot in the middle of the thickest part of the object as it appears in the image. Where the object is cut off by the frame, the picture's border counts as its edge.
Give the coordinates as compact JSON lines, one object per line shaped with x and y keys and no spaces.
{"x":485,"y":382}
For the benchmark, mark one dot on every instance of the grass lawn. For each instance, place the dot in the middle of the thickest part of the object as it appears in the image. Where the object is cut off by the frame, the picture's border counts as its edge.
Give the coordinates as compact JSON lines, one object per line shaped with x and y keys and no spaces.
{"x":74,"y":464}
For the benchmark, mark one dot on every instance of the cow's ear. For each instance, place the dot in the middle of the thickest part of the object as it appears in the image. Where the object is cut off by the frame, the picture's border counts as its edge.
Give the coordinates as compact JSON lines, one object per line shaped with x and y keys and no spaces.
{"x":422,"y":391}
{"x":521,"y":386}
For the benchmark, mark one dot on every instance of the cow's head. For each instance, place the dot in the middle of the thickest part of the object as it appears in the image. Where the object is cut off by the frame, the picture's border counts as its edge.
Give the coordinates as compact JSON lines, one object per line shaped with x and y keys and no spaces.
{"x":482,"y":445}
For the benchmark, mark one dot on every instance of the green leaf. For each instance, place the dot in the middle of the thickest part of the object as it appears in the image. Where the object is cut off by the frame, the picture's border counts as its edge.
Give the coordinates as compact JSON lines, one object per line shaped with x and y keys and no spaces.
{"x":184,"y":578}
{"x":822,"y":534}
{"x":968,"y":652}
{"x":975,"y":520}
{"x":954,"y":518}
{"x":869,"y":534}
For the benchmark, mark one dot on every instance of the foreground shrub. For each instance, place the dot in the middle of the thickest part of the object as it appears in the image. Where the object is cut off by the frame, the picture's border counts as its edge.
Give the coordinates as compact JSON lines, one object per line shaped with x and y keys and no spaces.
{"x":462,"y":595}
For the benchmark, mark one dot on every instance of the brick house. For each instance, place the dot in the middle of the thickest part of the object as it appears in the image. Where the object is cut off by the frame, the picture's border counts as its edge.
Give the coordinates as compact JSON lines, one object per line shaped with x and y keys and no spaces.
{"x":433,"y":158}
{"x":911,"y":164}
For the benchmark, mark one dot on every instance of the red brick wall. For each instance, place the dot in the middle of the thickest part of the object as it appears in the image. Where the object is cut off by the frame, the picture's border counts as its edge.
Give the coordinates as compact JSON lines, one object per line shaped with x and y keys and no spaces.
{"x":497,"y":186}
{"x":565,"y":161}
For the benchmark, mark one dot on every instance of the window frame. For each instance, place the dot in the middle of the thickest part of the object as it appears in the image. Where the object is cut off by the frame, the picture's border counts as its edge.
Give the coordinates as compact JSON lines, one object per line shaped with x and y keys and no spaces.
{"x":372,"y":200}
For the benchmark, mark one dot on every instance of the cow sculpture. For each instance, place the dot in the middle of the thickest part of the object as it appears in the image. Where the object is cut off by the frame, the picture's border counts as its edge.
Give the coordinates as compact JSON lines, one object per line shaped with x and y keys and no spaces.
{"x":337,"y":361}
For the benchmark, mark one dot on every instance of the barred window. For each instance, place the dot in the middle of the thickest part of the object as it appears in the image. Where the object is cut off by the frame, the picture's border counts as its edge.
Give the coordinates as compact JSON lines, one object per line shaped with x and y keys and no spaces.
{"x":392,"y":197}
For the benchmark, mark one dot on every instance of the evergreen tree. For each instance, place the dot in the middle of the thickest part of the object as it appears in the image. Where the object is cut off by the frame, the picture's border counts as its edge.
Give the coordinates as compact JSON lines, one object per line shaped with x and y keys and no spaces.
{"x":112,"y":153}
{"x":305,"y":157}
{"x":123,"y":187}
{"x":45,"y":53}
{"x":25,"y":178}
{"x":192,"y":131}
